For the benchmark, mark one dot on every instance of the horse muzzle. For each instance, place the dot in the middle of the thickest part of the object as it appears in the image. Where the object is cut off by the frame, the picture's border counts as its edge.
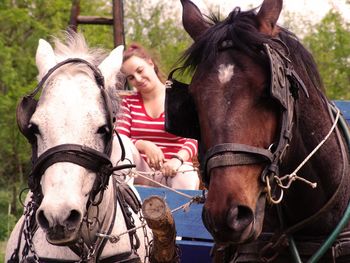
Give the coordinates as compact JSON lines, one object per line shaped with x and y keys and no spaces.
{"x":60,"y":230}
{"x":62,"y":236}
{"x":238,"y":224}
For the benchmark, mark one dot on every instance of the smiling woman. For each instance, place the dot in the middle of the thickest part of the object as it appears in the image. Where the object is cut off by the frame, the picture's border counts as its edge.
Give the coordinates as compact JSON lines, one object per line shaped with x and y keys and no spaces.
{"x":167,"y":157}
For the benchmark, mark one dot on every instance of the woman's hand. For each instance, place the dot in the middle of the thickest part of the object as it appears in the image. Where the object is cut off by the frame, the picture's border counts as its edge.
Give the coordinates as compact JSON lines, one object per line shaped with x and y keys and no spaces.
{"x":155,"y":156}
{"x":170,"y":167}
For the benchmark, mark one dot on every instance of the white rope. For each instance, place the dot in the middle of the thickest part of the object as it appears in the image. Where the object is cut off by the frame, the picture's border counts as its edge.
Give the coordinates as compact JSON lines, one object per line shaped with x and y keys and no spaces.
{"x":293,"y":176}
{"x":319,"y":145}
{"x":146,"y":175}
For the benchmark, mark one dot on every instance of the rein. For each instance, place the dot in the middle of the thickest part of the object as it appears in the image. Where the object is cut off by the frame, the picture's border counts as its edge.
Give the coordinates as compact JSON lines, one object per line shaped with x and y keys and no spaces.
{"x":273,"y":244}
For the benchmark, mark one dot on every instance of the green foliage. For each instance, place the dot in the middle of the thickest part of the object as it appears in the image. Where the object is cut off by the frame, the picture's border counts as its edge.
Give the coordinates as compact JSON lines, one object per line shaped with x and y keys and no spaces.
{"x":157,"y":27}
{"x":2,"y":251}
{"x":329,"y":42}
{"x":7,"y":221}
{"x":97,"y":35}
{"x":22,"y":24}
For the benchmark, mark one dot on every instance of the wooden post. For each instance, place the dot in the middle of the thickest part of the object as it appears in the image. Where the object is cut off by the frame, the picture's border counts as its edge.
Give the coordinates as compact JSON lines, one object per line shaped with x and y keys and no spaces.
{"x":160,"y":220}
{"x":74,"y":13}
{"x":118,"y":22}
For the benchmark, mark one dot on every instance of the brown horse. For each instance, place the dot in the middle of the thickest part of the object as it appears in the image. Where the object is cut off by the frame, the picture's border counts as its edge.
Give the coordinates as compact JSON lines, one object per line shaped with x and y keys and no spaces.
{"x":261,"y":110}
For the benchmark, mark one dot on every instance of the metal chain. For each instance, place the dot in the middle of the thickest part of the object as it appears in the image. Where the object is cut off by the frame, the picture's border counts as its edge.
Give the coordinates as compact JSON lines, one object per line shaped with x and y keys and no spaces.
{"x":146,"y":238}
{"x":27,"y":231}
{"x":90,"y":255}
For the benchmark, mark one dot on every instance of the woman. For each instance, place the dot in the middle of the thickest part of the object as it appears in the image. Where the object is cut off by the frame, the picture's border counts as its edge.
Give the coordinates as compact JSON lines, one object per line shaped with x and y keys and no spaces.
{"x":167,"y":157}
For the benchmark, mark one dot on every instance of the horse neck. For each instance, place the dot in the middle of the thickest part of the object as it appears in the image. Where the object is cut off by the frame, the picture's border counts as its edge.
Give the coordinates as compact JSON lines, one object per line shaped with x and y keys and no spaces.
{"x":328,"y":167}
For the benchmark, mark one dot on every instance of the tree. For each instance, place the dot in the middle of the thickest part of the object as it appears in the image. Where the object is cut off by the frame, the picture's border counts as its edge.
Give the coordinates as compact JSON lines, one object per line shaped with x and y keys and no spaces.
{"x":22,"y":23}
{"x":329,"y":42}
{"x":157,"y":27}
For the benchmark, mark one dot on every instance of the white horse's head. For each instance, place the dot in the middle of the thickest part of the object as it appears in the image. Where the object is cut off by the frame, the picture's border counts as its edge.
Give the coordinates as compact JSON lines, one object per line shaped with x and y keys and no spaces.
{"x":72,"y":110}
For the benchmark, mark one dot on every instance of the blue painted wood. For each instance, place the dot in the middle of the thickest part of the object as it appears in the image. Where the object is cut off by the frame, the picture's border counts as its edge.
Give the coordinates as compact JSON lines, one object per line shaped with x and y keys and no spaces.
{"x":344,"y":106}
{"x":195,"y":251}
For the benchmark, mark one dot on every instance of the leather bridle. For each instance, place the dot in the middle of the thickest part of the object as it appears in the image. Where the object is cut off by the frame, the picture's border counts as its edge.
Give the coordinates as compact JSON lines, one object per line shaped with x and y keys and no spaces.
{"x":87,"y":157}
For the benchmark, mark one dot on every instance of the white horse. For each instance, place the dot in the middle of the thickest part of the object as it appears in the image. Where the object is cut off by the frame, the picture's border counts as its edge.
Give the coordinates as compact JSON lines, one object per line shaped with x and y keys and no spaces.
{"x":73,"y":199}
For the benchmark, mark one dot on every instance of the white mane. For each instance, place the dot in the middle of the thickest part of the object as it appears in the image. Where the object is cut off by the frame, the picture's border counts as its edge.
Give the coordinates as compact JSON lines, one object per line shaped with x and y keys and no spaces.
{"x":76,"y":46}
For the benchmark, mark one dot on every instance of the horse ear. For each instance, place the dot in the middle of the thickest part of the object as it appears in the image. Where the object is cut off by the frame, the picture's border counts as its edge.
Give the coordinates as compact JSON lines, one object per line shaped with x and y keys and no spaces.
{"x":45,"y":58}
{"x":268,"y":16}
{"x":111,"y":65}
{"x":192,"y":19}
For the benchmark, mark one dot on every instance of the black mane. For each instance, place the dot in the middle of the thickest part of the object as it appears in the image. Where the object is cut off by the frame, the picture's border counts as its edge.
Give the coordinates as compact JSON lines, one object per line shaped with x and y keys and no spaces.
{"x":242,"y":29}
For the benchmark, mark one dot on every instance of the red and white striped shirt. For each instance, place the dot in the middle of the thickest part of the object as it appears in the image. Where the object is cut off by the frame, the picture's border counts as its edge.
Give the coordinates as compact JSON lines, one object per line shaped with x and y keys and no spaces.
{"x":134,"y":122}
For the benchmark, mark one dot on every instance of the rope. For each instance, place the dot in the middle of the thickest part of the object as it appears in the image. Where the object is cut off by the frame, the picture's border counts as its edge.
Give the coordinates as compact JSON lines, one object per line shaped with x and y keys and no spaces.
{"x":293,"y":176}
{"x":146,"y":175}
{"x":317,"y":147}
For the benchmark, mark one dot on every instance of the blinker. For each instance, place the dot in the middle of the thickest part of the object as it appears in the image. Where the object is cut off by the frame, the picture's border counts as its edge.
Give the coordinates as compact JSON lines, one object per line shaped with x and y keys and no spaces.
{"x":181,"y":117}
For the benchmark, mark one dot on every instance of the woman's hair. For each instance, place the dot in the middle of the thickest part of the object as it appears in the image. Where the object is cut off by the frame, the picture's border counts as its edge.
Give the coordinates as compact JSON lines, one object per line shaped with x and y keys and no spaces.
{"x":137,"y":50}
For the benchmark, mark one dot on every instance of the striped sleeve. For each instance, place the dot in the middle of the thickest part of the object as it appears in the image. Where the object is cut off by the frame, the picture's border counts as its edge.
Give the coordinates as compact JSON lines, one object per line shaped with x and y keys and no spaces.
{"x":191,"y":146}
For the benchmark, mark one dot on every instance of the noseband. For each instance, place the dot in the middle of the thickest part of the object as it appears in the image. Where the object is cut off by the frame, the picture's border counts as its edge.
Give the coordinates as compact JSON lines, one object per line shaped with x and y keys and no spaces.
{"x":89,"y":158}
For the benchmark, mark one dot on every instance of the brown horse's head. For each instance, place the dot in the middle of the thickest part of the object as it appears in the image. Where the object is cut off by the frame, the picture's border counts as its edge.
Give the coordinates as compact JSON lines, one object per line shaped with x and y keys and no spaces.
{"x":231,"y":91}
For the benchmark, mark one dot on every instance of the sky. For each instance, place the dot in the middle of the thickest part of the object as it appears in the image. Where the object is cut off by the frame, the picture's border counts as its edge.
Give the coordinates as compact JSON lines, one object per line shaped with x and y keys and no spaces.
{"x":312,"y":10}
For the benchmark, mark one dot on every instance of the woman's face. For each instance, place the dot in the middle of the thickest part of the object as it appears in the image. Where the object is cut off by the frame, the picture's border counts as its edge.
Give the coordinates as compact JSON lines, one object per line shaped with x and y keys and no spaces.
{"x":140,"y":73}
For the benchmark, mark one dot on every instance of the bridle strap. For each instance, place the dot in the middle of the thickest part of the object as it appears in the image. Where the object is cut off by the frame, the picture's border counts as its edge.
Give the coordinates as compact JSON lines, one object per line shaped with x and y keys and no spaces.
{"x":233,"y":154}
{"x":336,"y":193}
{"x":97,"y":74}
{"x":84,"y":156}
{"x":78,"y":154}
{"x":284,"y":88}
{"x":100,"y":83}
{"x":278,"y":238}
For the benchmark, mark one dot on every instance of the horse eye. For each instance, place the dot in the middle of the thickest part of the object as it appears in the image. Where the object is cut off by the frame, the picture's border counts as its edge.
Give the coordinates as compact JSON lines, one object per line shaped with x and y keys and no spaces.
{"x":34,"y":128}
{"x":103,"y":130}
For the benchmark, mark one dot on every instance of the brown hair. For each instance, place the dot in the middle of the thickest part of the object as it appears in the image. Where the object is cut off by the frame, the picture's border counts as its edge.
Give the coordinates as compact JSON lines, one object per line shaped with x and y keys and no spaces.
{"x":137,"y":50}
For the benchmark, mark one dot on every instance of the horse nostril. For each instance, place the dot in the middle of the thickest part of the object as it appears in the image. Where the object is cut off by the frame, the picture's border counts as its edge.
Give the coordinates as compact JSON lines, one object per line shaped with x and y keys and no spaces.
{"x":42,"y":220}
{"x":73,"y":218}
{"x":239,"y":217}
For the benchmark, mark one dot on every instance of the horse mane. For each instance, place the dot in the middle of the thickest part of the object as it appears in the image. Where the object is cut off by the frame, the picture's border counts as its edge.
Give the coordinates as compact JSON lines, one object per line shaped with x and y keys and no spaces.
{"x":73,"y":45}
{"x":242,"y":29}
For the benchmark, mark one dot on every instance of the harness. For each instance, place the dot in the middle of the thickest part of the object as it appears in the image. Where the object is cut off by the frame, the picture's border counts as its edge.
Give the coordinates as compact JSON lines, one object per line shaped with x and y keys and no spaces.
{"x":284,"y":88}
{"x":87,"y":157}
